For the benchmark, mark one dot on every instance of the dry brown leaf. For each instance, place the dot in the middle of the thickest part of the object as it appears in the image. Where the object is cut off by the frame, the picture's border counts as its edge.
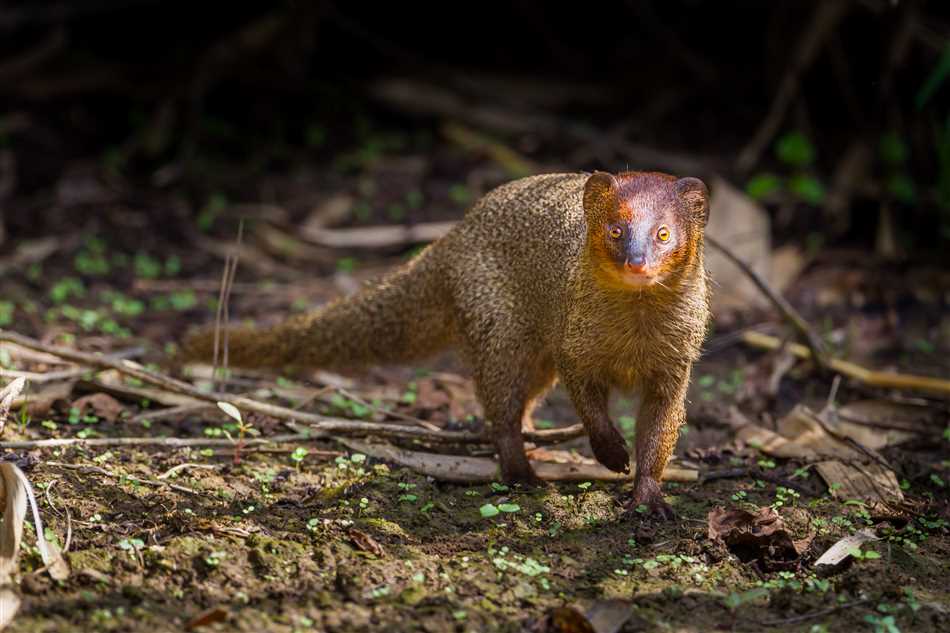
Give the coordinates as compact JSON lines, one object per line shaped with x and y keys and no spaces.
{"x":853,"y":473}
{"x":603,"y":616}
{"x":366,"y":543}
{"x":41,"y":400}
{"x":869,"y":481}
{"x":761,"y":537}
{"x":102,"y":405}
{"x":206,"y":617}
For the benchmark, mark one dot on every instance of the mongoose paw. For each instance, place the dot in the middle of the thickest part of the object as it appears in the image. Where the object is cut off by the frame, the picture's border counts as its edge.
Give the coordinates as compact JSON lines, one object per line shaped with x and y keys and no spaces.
{"x":647,"y":500}
{"x":611,"y":451}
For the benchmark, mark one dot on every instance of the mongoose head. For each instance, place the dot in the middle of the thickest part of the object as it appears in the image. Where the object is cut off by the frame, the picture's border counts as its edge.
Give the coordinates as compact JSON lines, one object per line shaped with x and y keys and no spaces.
{"x":644,"y":229}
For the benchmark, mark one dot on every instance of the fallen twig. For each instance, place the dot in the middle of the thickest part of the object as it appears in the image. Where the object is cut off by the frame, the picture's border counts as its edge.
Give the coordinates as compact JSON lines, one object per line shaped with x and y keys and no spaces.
{"x":377,"y":236}
{"x":791,"y":315}
{"x":108,"y":473}
{"x":166,"y":442}
{"x":463,"y":469}
{"x":315,"y":422}
{"x":814,"y":614}
{"x":870,"y":377}
{"x":513,"y":163}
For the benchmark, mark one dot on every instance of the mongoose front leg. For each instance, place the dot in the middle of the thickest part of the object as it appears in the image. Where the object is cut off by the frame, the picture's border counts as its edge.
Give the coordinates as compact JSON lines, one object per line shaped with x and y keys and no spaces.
{"x":662,"y":412}
{"x":590,"y":402}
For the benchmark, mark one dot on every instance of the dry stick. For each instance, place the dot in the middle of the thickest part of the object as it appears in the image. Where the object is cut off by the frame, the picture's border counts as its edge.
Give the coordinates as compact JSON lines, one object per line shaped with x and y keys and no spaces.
{"x":872,"y":378}
{"x":229,"y":282}
{"x":791,"y":315}
{"x":315,"y":421}
{"x":826,"y":17}
{"x":222,"y":315}
{"x":39,"y":378}
{"x":165,"y":442}
{"x":813,"y":614}
{"x":108,"y":473}
{"x":395,"y":414}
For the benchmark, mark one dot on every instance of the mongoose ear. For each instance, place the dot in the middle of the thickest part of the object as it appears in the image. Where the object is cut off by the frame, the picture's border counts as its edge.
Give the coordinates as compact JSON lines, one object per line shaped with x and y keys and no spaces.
{"x":695,"y":197}
{"x":600,"y":192}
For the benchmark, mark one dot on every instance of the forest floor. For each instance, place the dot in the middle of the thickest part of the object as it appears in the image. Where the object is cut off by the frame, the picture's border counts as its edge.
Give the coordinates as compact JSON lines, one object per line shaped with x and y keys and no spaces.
{"x":314,"y":536}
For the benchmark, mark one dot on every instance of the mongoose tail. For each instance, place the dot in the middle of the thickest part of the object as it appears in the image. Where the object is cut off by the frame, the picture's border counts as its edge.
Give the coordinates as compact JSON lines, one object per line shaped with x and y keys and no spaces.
{"x":403,"y":317}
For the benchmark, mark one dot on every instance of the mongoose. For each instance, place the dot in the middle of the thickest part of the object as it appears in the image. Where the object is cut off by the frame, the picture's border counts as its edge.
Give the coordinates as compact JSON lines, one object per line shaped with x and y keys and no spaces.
{"x":596,"y":280}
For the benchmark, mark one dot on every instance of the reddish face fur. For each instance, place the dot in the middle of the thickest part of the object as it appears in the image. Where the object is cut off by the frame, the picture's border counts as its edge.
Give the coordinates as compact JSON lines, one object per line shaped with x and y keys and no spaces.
{"x":643,"y":228}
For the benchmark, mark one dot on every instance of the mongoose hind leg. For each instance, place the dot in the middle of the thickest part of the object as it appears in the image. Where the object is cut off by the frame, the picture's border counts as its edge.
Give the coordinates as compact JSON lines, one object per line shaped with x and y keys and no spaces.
{"x":507,"y":395}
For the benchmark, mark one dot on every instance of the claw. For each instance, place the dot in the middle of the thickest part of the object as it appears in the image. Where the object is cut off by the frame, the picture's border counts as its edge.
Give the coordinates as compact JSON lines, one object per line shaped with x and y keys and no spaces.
{"x":611,"y":451}
{"x":646,"y":492}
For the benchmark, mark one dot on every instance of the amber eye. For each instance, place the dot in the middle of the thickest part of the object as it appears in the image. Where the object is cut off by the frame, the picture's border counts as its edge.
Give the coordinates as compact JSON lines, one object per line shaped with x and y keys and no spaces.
{"x":663,"y":234}
{"x":616,"y":232}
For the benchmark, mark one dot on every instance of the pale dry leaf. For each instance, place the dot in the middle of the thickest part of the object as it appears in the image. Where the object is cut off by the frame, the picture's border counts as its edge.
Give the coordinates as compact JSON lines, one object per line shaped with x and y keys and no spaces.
{"x":842,"y":549}
{"x":7,"y":395}
{"x":9,"y":605}
{"x":230,"y":410}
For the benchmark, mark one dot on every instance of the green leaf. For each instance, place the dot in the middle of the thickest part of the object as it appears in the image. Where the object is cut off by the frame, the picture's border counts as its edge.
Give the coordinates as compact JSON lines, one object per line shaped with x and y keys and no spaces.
{"x":762,"y":186}
{"x":892,"y":149}
{"x":935,"y":79}
{"x":488,"y":510}
{"x":902,"y":188}
{"x":795,"y":149}
{"x":509,"y":507}
{"x":808,"y":188}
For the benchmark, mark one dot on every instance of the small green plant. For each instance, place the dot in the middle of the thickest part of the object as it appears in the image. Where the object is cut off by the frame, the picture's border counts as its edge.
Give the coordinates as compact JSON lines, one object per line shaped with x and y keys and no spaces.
{"x":797,"y":153}
{"x":785,"y":497}
{"x":736,"y":599}
{"x":298,"y":455}
{"x":860,"y":554}
{"x":132,"y":546}
{"x":885,"y":624}
{"x":214,"y":558}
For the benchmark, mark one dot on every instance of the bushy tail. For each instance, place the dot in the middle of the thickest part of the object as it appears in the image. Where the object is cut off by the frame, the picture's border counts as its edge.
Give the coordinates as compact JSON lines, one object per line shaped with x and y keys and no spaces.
{"x":405,"y":316}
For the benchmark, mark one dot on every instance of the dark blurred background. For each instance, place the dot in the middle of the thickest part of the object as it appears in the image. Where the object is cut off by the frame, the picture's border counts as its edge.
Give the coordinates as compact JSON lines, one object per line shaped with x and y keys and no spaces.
{"x":138,"y":119}
{"x":209,"y":97}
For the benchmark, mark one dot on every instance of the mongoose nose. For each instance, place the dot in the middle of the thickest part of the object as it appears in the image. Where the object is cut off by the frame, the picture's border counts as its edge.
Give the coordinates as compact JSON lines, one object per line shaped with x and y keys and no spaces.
{"x":636,"y":264}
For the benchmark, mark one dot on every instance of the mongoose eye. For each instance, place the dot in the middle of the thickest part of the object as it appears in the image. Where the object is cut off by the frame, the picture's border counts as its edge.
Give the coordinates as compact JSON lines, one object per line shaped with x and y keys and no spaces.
{"x":616,"y":232}
{"x":663,"y":234}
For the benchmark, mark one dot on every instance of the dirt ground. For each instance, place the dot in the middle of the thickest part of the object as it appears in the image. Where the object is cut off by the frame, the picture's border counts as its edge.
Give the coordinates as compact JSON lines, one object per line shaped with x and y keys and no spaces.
{"x":317,"y":537}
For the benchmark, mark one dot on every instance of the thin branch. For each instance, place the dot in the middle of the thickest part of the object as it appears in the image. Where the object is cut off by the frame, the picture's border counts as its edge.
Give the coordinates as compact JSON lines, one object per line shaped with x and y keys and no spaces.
{"x":107,"y":473}
{"x":165,"y":442}
{"x":791,"y":315}
{"x":316,"y":422}
{"x":827,"y":16}
{"x":814,"y":614}
{"x":882,"y":379}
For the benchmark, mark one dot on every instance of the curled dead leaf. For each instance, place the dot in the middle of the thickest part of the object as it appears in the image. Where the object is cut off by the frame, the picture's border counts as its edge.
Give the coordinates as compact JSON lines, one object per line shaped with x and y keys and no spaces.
{"x":102,"y":405}
{"x":759,"y":537}
{"x":366,"y":543}
{"x":206,"y":617}
{"x":602,"y":616}
{"x":15,"y":493}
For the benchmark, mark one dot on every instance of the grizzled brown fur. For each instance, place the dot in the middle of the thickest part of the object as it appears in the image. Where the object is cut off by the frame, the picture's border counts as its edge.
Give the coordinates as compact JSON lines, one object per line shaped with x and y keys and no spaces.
{"x":560,"y":276}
